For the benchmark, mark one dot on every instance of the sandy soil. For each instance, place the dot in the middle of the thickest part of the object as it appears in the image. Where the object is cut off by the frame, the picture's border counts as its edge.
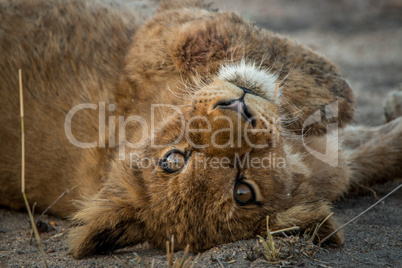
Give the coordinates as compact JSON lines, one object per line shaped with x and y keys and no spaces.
{"x":364,"y":37}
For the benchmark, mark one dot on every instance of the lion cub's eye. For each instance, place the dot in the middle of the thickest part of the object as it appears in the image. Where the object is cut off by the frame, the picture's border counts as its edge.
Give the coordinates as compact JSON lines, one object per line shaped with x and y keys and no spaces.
{"x":244,"y":193}
{"x":173,"y":161}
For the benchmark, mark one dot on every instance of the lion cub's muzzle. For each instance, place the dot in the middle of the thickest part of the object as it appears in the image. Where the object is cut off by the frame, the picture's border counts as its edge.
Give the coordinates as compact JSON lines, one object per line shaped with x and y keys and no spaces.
{"x":232,"y":119}
{"x":239,"y":106}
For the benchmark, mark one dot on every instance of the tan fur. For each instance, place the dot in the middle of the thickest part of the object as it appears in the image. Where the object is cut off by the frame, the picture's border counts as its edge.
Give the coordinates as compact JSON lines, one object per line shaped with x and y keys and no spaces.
{"x":72,"y":53}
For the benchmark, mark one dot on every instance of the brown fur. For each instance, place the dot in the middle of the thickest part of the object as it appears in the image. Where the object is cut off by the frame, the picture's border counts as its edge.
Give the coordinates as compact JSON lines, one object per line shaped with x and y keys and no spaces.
{"x":72,"y":52}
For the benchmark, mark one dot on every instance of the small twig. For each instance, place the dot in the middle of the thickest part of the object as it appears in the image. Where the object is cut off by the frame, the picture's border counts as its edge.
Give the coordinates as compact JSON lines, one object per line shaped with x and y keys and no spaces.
{"x":169,"y":255}
{"x":285,"y":230}
{"x":33,"y":208}
{"x":360,"y":214}
{"x":326,"y":218}
{"x":139,"y":261}
{"x":23,"y":170}
{"x":183,"y":262}
{"x":121,"y":262}
{"x":220,"y":263}
{"x":368,"y":189}
{"x":319,"y":226}
{"x":195,"y":260}
{"x":33,"y":215}
{"x":285,"y":235}
{"x":172,"y":245}
{"x":62,"y":195}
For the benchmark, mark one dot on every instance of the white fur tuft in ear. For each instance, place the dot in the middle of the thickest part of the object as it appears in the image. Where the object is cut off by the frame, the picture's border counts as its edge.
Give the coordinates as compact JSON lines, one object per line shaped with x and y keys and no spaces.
{"x":250,"y":76}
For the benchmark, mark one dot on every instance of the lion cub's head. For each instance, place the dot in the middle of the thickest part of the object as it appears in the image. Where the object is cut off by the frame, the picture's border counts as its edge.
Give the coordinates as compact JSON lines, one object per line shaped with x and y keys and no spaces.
{"x":219,"y":162}
{"x":210,"y":174}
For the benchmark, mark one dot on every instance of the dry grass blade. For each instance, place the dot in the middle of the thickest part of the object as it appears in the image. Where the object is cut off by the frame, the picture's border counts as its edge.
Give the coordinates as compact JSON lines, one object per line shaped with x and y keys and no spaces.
{"x":23,"y":170}
{"x":294,"y":228}
{"x":169,"y":255}
{"x":124,"y":264}
{"x":267,"y":251}
{"x":360,"y":214}
{"x":139,"y":262}
{"x":368,"y":189}
{"x":215,"y":258}
{"x":63,"y":194}
{"x":319,"y":226}
{"x":269,"y":247}
{"x":183,"y":261}
{"x":271,"y":241}
{"x":195,"y":260}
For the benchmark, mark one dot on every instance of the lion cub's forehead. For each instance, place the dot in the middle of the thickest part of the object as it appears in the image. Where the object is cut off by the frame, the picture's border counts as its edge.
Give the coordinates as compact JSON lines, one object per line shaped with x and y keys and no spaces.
{"x":250,"y":76}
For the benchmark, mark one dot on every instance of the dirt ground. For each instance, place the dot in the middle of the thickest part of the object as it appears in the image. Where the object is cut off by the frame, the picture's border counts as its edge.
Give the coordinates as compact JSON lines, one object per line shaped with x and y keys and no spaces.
{"x":364,"y":37}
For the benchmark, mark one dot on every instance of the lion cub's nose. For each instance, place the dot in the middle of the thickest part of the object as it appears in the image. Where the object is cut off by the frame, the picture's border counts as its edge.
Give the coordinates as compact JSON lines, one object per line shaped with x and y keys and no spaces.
{"x":239,"y":106}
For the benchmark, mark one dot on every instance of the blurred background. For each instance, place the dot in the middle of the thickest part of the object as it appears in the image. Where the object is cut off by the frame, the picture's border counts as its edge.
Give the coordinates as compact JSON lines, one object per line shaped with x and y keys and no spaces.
{"x":363,"y":37}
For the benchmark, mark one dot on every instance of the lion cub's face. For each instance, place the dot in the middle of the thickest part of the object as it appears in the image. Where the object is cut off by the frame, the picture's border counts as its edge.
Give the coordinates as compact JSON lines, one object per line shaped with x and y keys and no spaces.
{"x":210,"y":174}
{"x":220,"y":167}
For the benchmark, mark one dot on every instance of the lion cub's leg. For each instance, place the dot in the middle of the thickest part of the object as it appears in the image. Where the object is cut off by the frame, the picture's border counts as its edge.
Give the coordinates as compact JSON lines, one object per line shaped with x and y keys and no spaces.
{"x":393,"y":104}
{"x":373,"y":154}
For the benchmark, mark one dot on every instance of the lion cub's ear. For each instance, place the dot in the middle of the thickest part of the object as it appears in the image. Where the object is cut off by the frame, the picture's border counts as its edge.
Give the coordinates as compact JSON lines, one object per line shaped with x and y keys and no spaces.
{"x":104,"y":225}
{"x":202,"y":47}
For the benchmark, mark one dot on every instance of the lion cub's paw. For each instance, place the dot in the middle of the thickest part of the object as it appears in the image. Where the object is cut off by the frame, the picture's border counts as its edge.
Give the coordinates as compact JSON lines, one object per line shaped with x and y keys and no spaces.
{"x":393,"y":104}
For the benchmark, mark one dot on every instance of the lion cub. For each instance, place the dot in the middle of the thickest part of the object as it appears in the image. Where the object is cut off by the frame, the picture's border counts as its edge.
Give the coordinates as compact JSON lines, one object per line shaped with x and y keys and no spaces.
{"x":193,"y":123}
